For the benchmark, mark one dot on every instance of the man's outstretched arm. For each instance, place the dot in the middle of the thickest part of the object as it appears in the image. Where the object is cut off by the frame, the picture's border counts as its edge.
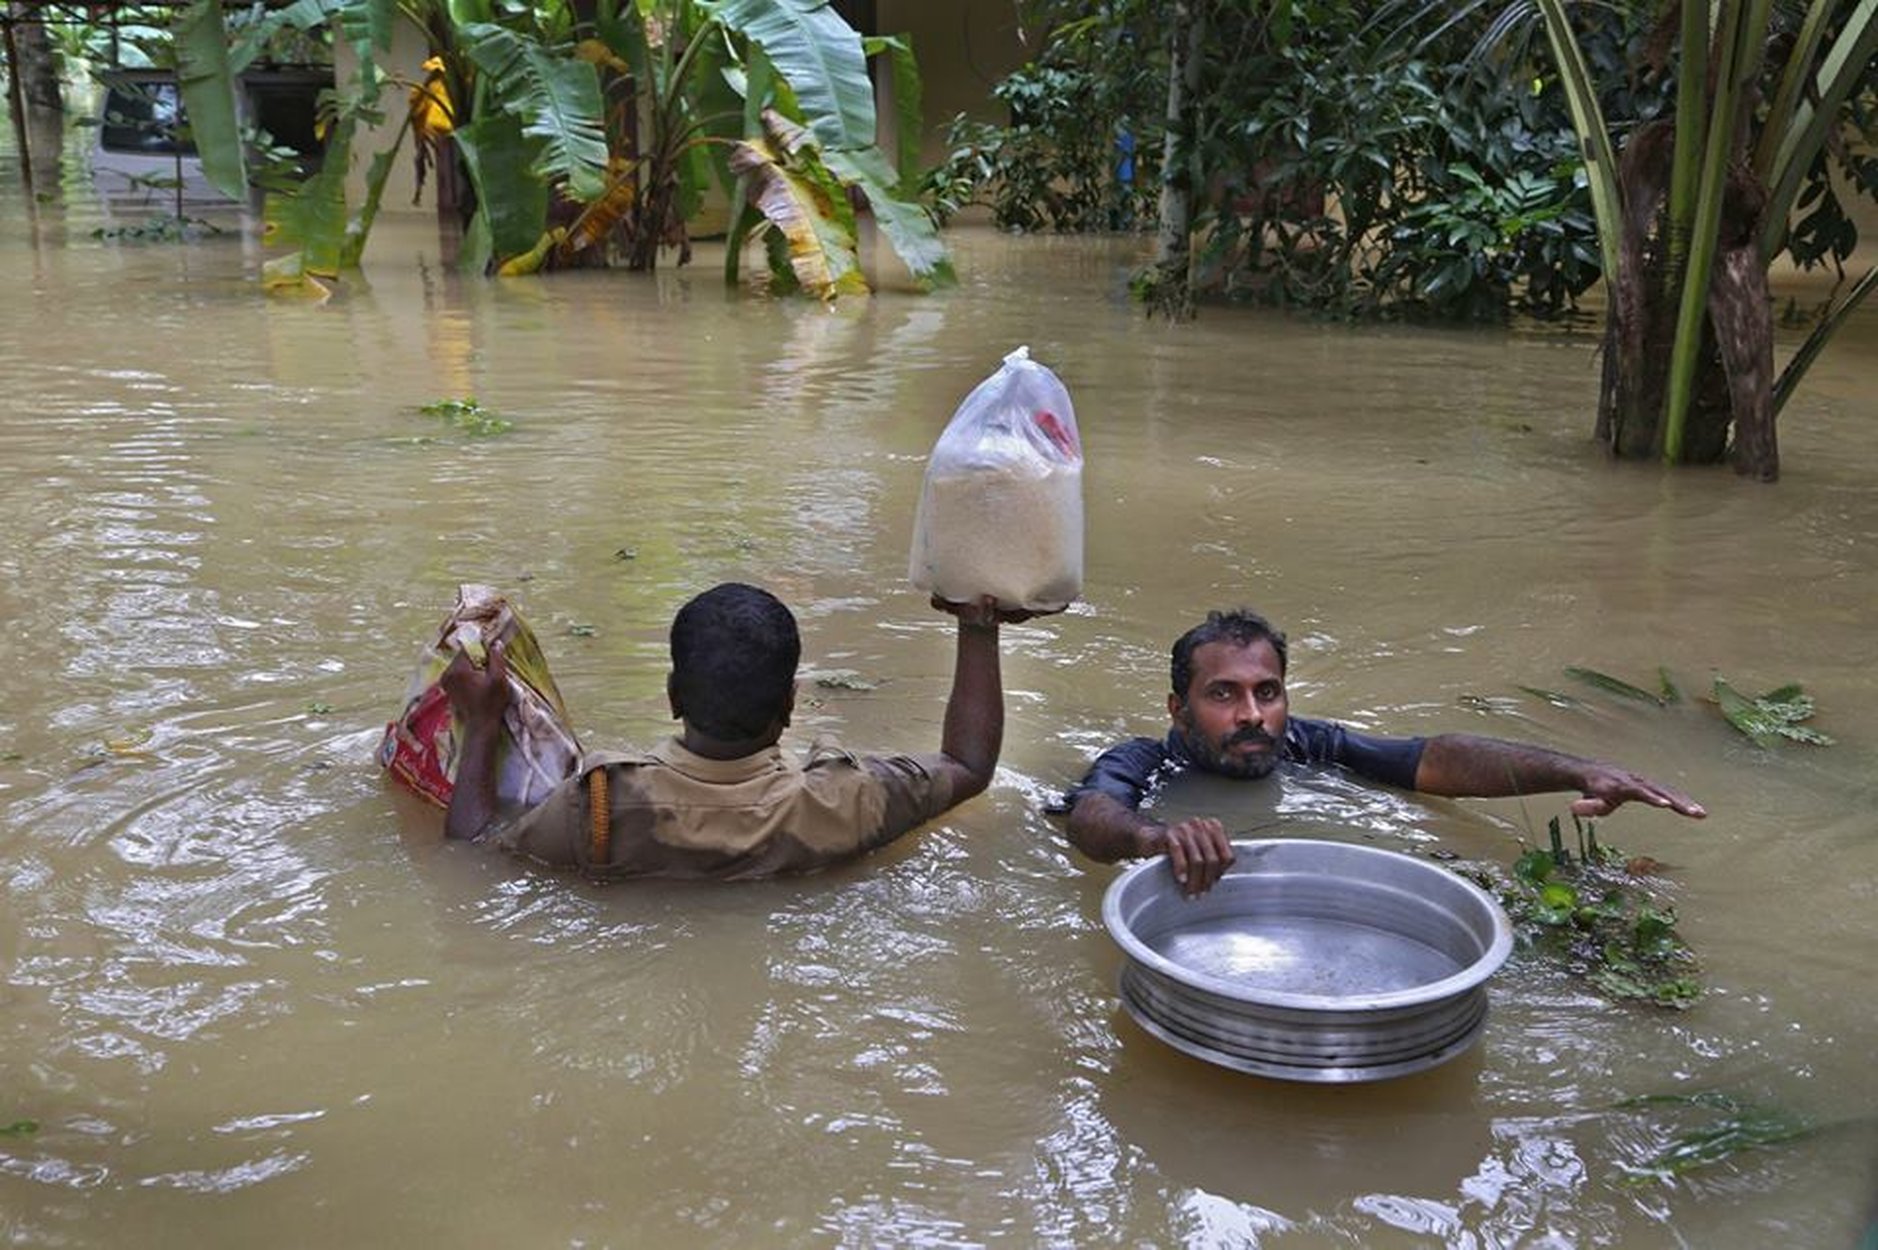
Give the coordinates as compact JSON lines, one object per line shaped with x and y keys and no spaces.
{"x":1468,"y":766}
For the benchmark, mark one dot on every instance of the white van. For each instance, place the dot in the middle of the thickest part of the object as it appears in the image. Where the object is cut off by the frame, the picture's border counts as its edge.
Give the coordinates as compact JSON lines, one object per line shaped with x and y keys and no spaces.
{"x":141,"y":158}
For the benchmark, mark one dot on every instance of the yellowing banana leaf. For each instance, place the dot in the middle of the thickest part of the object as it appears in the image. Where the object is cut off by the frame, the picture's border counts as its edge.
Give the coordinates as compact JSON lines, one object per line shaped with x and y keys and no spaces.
{"x":821,"y":251}
{"x":598,"y":219}
{"x":596,"y":53}
{"x":531,"y":261}
{"x":283,"y":278}
{"x":433,"y":114}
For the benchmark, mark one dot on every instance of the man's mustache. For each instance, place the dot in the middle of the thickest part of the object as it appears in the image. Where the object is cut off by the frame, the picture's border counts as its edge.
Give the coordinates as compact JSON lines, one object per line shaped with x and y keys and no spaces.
{"x":1249,"y":735}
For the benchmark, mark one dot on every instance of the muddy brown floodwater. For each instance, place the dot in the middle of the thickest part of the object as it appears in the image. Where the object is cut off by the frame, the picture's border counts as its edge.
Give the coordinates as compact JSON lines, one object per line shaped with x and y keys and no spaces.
{"x":249,"y":998}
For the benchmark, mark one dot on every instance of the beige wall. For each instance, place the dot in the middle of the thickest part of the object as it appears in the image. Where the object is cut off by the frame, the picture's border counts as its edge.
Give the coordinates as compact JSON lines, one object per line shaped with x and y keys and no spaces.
{"x":406,"y":61}
{"x":964,"y":47}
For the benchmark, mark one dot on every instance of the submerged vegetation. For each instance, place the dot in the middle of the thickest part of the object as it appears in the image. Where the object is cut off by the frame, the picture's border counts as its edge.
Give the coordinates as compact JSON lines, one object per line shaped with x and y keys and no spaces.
{"x":1761,"y":718}
{"x":1602,"y":914}
{"x":1731,"y":1127}
{"x":468,"y":416}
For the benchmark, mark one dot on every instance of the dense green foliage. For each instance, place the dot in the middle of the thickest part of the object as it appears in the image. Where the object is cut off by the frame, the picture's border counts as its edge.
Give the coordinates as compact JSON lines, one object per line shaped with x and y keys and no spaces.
{"x":1408,"y":158}
{"x":1341,"y":159}
{"x":591,"y":133}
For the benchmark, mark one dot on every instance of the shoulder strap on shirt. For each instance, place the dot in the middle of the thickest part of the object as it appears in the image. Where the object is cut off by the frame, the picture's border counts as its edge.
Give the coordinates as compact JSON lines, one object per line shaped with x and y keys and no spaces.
{"x":600,"y":820}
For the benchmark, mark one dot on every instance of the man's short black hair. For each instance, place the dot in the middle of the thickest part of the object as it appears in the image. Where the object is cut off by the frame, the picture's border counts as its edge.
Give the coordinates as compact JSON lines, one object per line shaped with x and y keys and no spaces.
{"x":734,"y":654}
{"x":1241,"y":626}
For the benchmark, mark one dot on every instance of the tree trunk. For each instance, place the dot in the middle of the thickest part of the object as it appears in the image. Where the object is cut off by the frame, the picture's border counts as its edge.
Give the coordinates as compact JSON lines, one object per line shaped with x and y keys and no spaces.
{"x":1167,"y":286}
{"x":38,"y":65}
{"x":1733,"y":389}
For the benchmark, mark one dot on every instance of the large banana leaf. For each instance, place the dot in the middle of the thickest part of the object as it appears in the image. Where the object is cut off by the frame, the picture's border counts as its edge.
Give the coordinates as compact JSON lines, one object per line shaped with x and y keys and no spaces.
{"x":312,"y":218}
{"x":556,"y":97}
{"x":821,"y":248}
{"x":907,"y":226}
{"x":512,"y":199}
{"x":819,"y":54}
{"x":909,"y":117}
{"x":208,"y":91}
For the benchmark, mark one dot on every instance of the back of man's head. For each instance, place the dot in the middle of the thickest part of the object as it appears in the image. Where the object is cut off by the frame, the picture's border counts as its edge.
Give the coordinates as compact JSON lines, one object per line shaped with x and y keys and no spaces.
{"x":1240,"y":626}
{"x":734,"y":654}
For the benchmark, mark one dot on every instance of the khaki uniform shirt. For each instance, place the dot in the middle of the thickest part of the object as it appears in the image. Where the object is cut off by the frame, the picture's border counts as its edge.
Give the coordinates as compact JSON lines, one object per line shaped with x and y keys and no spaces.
{"x":677,"y":814}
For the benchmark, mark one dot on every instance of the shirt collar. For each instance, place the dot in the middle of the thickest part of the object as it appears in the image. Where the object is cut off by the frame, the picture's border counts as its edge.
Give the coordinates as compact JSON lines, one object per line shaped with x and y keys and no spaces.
{"x":672,"y":752}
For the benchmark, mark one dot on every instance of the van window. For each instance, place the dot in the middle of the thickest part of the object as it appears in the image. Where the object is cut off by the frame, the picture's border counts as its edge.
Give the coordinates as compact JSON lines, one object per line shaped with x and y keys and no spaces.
{"x":143,"y":117}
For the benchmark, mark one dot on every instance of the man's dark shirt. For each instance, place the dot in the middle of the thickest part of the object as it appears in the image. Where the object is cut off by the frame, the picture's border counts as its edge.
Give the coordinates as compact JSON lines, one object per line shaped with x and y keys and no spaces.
{"x":1128,"y":771}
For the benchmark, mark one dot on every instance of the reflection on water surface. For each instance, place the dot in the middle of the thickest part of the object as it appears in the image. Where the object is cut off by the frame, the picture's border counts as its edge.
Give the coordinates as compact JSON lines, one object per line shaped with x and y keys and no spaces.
{"x":241,"y":977}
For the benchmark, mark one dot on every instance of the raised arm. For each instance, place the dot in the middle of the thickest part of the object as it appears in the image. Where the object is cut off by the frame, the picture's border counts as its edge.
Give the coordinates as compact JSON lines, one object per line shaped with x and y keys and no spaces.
{"x":479,"y":697}
{"x":1467,"y":766}
{"x":974,"y":724}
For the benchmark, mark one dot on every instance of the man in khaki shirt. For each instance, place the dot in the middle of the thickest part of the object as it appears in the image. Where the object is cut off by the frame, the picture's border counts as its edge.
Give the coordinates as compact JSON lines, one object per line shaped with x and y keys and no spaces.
{"x":721,"y":799}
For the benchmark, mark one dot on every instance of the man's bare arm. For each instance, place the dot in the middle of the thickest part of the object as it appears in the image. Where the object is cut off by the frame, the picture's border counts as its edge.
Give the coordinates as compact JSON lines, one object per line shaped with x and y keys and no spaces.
{"x":1106,"y":829}
{"x":1468,"y":766}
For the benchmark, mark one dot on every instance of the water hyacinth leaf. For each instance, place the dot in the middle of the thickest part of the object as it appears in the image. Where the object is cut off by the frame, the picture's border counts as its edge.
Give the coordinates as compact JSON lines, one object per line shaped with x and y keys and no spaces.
{"x":1775,"y":714}
{"x":1612,"y":685}
{"x":19,"y":1128}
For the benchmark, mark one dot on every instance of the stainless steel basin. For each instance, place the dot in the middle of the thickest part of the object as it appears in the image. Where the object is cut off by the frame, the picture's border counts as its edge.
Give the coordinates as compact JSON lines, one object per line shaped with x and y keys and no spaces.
{"x":1310,"y":960}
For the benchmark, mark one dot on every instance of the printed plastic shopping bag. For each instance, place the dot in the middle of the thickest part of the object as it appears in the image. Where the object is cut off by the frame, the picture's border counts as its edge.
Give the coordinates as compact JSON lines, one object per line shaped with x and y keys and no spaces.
{"x":538,"y":750}
{"x":1001,"y":509}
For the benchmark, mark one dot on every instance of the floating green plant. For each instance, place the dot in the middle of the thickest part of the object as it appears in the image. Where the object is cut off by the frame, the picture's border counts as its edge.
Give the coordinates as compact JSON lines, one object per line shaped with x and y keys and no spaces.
{"x":1737,"y":1126}
{"x":1597,"y":911}
{"x":1765,"y":718}
{"x":1619,"y":687}
{"x":19,"y":1128}
{"x":1776,"y":714}
{"x":469,"y":416}
{"x":843,"y":679}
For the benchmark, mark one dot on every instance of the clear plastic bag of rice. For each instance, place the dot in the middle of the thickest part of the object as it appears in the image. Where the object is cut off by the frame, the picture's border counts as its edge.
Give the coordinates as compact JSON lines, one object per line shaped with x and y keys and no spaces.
{"x":1001,"y":509}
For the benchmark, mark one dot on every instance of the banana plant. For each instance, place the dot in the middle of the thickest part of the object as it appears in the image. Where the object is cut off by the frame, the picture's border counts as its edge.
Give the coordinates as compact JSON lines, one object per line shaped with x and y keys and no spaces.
{"x":591,"y":132}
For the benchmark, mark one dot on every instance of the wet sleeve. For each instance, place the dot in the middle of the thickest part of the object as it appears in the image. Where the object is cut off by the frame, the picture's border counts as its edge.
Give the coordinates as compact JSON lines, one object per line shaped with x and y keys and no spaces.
{"x":916,"y":788}
{"x":1392,"y":761}
{"x":554,"y":830}
{"x":1124,"y":772}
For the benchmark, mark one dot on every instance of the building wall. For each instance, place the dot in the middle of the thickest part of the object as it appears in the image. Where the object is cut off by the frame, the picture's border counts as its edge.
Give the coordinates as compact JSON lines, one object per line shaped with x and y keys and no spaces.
{"x":964,"y":47}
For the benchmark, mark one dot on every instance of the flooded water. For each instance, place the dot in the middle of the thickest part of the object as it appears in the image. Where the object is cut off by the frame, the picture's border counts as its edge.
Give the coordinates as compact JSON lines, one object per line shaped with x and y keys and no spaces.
{"x":250,"y":998}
